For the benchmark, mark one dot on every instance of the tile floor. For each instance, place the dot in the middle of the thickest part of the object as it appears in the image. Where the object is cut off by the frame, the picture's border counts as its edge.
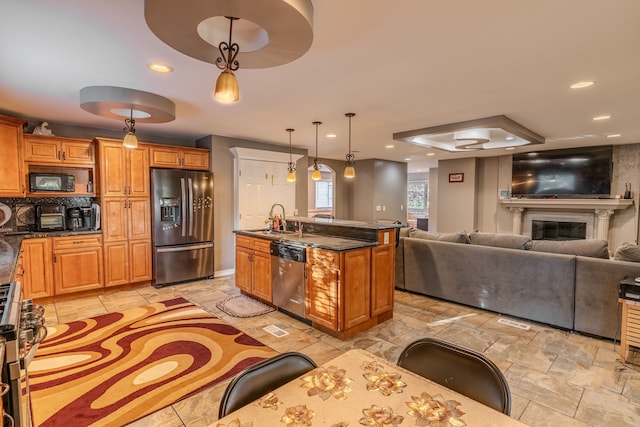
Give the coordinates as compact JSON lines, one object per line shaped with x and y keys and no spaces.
{"x":556,"y":378}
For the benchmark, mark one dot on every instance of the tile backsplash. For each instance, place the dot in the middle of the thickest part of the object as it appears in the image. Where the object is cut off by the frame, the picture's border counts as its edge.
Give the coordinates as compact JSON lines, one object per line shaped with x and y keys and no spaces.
{"x":18,"y":214}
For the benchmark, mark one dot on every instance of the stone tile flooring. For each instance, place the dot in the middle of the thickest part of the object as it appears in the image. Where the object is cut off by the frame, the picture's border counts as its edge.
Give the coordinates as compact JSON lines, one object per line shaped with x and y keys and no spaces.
{"x":556,"y":378}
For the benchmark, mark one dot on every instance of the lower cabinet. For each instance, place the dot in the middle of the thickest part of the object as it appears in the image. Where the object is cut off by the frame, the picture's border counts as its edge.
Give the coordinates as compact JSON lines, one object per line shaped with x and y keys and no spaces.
{"x":127,"y":262}
{"x":253,"y":267}
{"x":338,"y":288}
{"x":37,"y":277}
{"x":77,"y":263}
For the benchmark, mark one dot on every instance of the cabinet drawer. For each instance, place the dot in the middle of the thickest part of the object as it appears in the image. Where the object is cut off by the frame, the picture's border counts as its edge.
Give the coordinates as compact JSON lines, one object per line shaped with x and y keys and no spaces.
{"x":323,"y":257}
{"x":77,"y":242}
{"x":261,"y":245}
{"x":244,"y":241}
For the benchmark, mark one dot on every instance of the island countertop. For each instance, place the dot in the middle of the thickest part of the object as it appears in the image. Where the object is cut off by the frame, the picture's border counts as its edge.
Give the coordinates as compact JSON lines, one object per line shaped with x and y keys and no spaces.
{"x":309,"y":240}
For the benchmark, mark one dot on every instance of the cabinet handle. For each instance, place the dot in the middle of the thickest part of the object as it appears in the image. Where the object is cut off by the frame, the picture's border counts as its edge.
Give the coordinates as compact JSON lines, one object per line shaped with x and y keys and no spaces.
{"x":78,"y":242}
{"x":58,"y":156}
{"x":64,"y":155}
{"x":54,"y":258}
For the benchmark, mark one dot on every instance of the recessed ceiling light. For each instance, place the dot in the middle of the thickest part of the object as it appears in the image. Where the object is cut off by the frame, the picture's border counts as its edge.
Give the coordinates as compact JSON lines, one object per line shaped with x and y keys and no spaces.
{"x":510,"y":138}
{"x":431,"y":154}
{"x":603,"y":117}
{"x":581,"y":85}
{"x":330,"y":135}
{"x":406,"y":159}
{"x":389,"y":146}
{"x":160,"y":68}
{"x":614,"y":135}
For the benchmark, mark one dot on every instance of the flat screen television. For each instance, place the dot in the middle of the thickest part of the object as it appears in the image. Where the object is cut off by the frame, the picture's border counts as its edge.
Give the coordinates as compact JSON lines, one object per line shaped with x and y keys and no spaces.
{"x":567,"y":173}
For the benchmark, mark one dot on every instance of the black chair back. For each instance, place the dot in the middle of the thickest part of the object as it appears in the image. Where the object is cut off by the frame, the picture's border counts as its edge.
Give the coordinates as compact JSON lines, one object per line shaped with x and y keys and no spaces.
{"x":262,"y":378}
{"x":459,"y":369}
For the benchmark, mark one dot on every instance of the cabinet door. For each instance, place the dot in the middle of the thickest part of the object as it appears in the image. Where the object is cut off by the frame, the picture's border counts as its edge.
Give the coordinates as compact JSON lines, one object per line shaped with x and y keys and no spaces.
{"x":42,"y":150}
{"x":77,"y":269}
{"x":139,"y":218}
{"x":165,"y":157}
{"x":195,"y":159}
{"x":113,"y":169}
{"x":357,"y":293}
{"x":382,"y":279}
{"x":138,"y":171}
{"x":116,"y":263}
{"x":322,"y":290}
{"x":37,"y":280}
{"x":114,"y":219}
{"x":140,"y":261}
{"x":244,"y":268}
{"x":78,"y":152}
{"x":11,"y":177}
{"x":262,"y":276}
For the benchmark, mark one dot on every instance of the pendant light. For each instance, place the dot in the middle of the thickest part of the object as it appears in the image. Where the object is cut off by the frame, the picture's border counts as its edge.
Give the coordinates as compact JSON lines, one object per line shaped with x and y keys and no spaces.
{"x":130,"y":140}
{"x":291,"y":167}
{"x":349,"y":170}
{"x":316,"y":175}
{"x":227,"y":89}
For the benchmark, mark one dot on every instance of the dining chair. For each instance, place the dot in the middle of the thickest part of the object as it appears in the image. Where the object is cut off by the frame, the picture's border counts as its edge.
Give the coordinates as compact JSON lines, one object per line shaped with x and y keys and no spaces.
{"x":262,"y":378}
{"x":460,"y":369}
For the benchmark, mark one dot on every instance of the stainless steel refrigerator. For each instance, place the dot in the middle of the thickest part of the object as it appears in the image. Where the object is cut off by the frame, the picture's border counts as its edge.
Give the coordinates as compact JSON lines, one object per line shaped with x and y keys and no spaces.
{"x":182,"y":225}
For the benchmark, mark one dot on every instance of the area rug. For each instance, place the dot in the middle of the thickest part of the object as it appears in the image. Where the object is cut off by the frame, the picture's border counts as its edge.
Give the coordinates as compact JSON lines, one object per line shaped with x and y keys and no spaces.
{"x":112,"y":369}
{"x":243,"y":306}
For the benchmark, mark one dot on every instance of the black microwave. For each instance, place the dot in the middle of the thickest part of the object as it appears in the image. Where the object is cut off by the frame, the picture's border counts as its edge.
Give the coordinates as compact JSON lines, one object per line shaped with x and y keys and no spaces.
{"x":51,"y":182}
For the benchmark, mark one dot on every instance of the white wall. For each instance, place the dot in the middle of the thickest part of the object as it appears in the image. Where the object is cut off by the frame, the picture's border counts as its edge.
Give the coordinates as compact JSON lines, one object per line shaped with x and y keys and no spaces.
{"x":457,"y":201}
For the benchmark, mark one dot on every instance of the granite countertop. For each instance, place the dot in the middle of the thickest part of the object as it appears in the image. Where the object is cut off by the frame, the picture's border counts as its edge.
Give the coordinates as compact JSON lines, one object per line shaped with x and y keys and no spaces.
{"x":344,"y":223}
{"x":309,"y":240}
{"x":9,"y":253}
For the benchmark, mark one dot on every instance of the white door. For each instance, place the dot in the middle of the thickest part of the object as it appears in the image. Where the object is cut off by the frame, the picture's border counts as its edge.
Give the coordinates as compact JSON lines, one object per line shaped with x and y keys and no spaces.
{"x":260,"y":185}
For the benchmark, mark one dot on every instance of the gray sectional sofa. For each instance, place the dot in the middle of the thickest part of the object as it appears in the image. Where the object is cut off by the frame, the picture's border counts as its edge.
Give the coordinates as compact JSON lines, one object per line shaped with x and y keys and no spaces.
{"x":575,"y":289}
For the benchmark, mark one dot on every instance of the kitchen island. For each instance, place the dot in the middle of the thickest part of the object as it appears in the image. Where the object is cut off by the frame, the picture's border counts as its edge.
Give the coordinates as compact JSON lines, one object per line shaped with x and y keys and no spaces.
{"x":348,"y":270}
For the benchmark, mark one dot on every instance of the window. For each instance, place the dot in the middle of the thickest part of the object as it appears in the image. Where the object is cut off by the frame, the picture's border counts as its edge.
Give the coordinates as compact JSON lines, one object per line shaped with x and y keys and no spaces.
{"x":417,"y":196}
{"x":324,"y":194}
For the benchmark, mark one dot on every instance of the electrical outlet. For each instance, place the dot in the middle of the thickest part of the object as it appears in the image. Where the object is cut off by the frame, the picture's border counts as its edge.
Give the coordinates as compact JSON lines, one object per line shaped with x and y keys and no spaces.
{"x":378,"y":208}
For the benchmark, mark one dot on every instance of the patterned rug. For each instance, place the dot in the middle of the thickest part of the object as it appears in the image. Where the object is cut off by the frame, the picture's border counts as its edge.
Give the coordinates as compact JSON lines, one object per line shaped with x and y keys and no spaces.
{"x":243,"y":306}
{"x":113,"y":369}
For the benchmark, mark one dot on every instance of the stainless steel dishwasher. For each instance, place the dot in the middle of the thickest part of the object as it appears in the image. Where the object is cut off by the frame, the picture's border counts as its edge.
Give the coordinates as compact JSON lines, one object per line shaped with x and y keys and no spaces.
{"x":287,"y":277}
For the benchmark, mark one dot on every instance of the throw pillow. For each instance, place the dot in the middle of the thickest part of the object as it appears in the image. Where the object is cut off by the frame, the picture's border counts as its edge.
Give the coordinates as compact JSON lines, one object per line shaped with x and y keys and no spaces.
{"x":627,"y":251}
{"x":594,"y":248}
{"x":405,"y":231}
{"x":509,"y":241}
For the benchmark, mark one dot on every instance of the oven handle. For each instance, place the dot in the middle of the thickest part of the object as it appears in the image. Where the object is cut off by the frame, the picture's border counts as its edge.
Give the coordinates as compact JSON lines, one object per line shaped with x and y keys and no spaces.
{"x":41,"y":334}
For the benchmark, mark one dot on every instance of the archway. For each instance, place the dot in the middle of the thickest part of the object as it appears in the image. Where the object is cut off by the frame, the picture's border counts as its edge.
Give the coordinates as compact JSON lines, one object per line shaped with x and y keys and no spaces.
{"x":322,"y":193}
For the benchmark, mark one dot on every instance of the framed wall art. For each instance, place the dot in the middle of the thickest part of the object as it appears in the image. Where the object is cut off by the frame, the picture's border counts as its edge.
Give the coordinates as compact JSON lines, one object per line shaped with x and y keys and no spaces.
{"x":456,"y":177}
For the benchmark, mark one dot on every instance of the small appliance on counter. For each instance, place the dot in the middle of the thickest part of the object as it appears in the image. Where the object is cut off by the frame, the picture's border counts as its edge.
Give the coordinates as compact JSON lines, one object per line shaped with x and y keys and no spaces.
{"x":50,"y":217}
{"x":81,"y":218}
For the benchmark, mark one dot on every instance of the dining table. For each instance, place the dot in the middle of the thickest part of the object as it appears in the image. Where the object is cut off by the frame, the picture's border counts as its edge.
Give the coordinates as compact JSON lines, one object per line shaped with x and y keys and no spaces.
{"x":358,"y":388}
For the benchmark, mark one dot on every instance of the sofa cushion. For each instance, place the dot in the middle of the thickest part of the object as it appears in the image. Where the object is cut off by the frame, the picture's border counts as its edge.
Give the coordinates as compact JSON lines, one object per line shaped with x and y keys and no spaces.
{"x":594,"y":248}
{"x":459,"y":237}
{"x":509,"y":241}
{"x":627,"y":252}
{"x":404,"y":231}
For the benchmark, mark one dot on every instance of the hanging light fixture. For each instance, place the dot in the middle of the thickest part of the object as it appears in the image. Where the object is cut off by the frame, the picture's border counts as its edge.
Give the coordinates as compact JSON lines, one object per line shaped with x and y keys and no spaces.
{"x":316,"y":175}
{"x":349,"y":170}
{"x":291,"y":167}
{"x":227,"y":89}
{"x":130,"y":140}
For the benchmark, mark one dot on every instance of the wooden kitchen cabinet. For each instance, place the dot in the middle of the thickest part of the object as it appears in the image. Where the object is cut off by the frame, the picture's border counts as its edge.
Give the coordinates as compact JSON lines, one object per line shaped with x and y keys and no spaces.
{"x":126,"y":212}
{"x":383,"y":272}
{"x":43,"y":149}
{"x":37,"y":278}
{"x":77,"y":263}
{"x":12,"y":180}
{"x":179,"y":157}
{"x":124,"y":172}
{"x":253,"y":267}
{"x":338,"y":289}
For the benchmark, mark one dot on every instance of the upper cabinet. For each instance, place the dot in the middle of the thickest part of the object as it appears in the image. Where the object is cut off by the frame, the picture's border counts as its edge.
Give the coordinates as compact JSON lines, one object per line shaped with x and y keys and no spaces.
{"x":58,"y":151}
{"x":124,"y":172}
{"x":11,"y":175}
{"x":163,"y":156}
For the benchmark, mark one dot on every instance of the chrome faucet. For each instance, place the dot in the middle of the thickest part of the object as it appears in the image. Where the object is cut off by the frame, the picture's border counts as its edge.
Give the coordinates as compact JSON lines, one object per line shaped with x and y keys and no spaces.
{"x":284,"y":222}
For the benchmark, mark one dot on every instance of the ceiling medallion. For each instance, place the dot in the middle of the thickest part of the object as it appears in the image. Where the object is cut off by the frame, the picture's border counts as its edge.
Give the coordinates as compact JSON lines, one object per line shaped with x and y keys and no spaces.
{"x":269,"y":32}
{"x":480,"y":134}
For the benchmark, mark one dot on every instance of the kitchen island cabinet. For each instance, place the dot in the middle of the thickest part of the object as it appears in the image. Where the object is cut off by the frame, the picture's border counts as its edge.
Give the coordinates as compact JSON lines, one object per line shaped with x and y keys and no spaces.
{"x":253,"y":267}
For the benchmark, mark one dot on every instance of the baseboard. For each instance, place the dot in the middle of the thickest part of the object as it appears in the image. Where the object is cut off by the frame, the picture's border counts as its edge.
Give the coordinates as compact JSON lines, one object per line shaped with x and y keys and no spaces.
{"x":222,"y":273}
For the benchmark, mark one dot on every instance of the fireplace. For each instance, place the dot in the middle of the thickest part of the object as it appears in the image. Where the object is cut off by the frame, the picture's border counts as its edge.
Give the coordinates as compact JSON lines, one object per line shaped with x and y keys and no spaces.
{"x":558,"y":230}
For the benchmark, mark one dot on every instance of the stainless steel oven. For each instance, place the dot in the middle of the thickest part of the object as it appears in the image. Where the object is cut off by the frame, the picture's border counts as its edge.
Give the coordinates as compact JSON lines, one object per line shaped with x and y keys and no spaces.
{"x":22,"y":328}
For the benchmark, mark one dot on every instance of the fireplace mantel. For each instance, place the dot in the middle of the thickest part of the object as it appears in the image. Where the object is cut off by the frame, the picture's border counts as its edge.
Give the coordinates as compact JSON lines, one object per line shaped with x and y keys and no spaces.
{"x":603,"y":209}
{"x":566,"y":204}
